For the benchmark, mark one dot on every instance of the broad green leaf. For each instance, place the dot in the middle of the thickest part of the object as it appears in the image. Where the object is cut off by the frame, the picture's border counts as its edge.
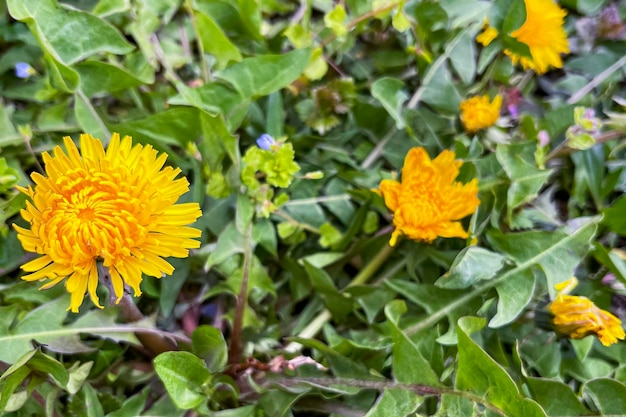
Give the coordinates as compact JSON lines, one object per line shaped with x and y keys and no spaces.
{"x":208,"y":343}
{"x":409,"y":366}
{"x":518,"y":161}
{"x":184,"y":376}
{"x":44,"y":325}
{"x":229,"y":243}
{"x":556,"y":398}
{"x":69,"y":34}
{"x":108,"y":7}
{"x":473,"y":264}
{"x":608,"y":395}
{"x":394,"y":402}
{"x":176,"y":126}
{"x":463,"y":57}
{"x":263,"y":75}
{"x":40,"y":362}
{"x":278,"y":403}
{"x":99,"y":77}
{"x":215,"y":42}
{"x":390,"y":92}
{"x":479,"y":374}
{"x":614,"y":216}
{"x":557,"y":253}
{"x":514,"y":294}
{"x":62,"y":77}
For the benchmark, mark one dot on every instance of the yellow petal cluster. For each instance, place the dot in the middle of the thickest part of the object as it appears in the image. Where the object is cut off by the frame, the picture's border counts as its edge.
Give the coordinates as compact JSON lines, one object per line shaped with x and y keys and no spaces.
{"x":488,"y":34}
{"x":577,"y":317}
{"x":544,"y":35}
{"x":478,"y":113}
{"x":429,"y":202}
{"x":116,"y":207}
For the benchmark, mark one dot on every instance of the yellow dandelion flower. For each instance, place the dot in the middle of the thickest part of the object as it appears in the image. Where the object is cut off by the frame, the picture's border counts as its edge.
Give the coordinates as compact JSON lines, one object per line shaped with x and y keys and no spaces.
{"x":478,"y":113}
{"x":544,"y":35}
{"x":117,"y":207}
{"x":488,"y":34}
{"x":428,"y":202}
{"x":577,"y":317}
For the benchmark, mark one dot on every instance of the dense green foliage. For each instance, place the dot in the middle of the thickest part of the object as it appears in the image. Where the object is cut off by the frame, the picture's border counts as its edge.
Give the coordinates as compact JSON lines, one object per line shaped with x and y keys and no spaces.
{"x":295,"y":304}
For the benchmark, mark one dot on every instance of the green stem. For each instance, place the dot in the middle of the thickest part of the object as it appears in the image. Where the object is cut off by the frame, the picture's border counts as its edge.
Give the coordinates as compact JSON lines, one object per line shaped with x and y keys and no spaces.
{"x":318,"y":322}
{"x":234,"y":350}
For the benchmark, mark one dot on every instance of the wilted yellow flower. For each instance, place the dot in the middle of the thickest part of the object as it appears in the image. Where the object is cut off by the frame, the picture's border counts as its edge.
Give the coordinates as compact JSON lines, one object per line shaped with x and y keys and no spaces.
{"x":478,"y":113}
{"x":488,"y":34}
{"x":577,"y":317}
{"x":544,"y":34}
{"x":428,"y":202}
{"x":117,"y":207}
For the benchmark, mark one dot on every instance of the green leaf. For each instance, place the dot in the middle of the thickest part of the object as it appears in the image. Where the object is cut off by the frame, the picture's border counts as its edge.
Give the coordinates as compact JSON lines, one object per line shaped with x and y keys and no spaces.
{"x":88,"y":117}
{"x":133,"y":406}
{"x":463,"y":57}
{"x":215,"y":41}
{"x":514,"y":294}
{"x":184,"y":376}
{"x":479,"y":374}
{"x":614,"y":216}
{"x":473,"y":264}
{"x":99,"y":77}
{"x":409,"y":365}
{"x":44,"y":325}
{"x":556,"y":398}
{"x":335,"y":20}
{"x":10,"y":383}
{"x":176,"y":126}
{"x":208,"y":343}
{"x":518,"y":161}
{"x":93,"y":407}
{"x":394,"y":402}
{"x":263,"y":75}
{"x":8,"y":135}
{"x":69,"y":34}
{"x":548,"y":250}
{"x":338,"y":304}
{"x":608,"y":395}
{"x":557,"y":253}
{"x":278,"y":403}
{"x":390,"y":93}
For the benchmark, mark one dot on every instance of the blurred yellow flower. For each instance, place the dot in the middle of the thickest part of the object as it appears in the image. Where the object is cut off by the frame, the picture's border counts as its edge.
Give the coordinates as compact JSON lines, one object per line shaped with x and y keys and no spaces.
{"x":488,"y":34}
{"x":478,"y":113}
{"x":577,"y":317}
{"x":544,"y":35}
{"x":428,"y":202}
{"x":116,"y":207}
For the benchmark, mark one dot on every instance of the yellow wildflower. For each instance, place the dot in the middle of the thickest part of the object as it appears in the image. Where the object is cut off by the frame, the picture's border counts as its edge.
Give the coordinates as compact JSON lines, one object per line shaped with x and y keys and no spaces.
{"x":478,"y":113}
{"x":116,"y":207}
{"x":544,"y":35}
{"x":577,"y":317}
{"x":488,"y":34}
{"x":427,"y":203}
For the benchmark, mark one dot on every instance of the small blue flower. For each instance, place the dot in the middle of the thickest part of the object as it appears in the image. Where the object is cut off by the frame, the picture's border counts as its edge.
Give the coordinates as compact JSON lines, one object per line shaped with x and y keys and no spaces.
{"x":23,"y":70}
{"x":266,"y":142}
